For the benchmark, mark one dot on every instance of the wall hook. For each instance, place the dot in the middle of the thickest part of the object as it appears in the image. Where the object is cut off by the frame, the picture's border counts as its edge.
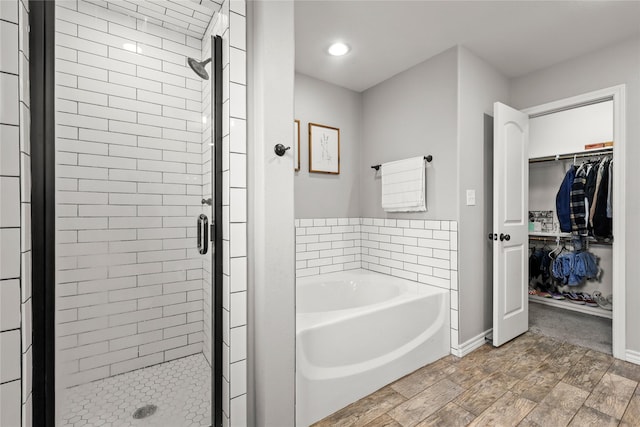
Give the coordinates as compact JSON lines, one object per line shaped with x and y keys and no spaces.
{"x":280,"y":149}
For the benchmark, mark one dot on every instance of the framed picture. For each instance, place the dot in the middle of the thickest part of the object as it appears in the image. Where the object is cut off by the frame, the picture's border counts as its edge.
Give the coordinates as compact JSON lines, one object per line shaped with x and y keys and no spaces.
{"x":324,"y":149}
{"x":296,"y":145}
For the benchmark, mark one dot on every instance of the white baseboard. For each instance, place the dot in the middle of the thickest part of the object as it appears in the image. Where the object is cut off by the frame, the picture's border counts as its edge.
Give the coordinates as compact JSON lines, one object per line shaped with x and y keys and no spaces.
{"x":633,"y":356}
{"x":472,"y":344}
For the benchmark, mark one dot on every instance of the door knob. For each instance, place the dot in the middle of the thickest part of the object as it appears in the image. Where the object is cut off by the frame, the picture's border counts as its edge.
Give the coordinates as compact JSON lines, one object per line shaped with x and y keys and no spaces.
{"x":280,"y":149}
{"x":492,"y":236}
{"x":504,"y":237}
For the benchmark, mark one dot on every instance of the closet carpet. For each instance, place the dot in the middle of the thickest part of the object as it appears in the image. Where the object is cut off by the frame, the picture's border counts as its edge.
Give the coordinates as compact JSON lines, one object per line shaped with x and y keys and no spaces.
{"x":575,"y":328}
{"x":531,"y":381}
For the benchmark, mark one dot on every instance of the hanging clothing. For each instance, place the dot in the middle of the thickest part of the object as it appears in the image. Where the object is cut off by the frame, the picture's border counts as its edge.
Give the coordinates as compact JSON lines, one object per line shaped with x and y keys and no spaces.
{"x":590,"y":188}
{"x":539,"y":264}
{"x":572,"y":268}
{"x":597,"y":189}
{"x":534,"y":266}
{"x":563,"y":198}
{"x":584,"y":199}
{"x":577,"y":202}
{"x":601,"y":223}
{"x":610,"y":193}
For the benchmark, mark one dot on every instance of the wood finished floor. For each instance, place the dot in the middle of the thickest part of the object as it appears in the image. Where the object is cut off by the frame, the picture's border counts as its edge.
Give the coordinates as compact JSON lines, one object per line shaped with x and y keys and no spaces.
{"x":531,"y":381}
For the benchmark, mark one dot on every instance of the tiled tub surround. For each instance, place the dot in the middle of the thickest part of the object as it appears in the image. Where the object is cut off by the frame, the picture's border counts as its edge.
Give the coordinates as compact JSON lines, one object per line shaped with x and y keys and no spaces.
{"x":129,"y":185}
{"x":419,"y":250}
{"x":15,"y":216}
{"x":327,"y":245}
{"x":425,"y":251}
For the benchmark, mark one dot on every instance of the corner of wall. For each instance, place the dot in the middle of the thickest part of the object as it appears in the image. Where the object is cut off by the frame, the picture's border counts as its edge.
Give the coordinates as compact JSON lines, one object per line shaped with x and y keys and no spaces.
{"x":15,"y":218}
{"x":479,"y":86}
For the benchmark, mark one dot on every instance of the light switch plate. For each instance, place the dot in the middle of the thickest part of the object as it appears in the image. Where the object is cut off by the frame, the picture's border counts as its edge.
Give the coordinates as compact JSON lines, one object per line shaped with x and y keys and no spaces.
{"x":471,"y":197}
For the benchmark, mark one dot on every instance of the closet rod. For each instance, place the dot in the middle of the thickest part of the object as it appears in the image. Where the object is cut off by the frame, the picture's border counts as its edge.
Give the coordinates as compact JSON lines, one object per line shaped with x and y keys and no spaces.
{"x":592,"y":240}
{"x":570,"y":156}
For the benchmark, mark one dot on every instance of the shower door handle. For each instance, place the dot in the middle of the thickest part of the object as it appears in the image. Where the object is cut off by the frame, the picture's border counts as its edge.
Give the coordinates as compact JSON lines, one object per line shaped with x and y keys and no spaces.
{"x":203,"y":241}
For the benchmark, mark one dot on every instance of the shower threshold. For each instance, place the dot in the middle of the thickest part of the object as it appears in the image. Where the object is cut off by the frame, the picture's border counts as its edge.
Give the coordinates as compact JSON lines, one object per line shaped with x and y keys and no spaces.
{"x":180,"y":390}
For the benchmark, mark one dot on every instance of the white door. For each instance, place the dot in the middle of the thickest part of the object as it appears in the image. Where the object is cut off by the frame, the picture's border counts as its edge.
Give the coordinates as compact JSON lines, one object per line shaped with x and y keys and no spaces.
{"x":510,"y":223}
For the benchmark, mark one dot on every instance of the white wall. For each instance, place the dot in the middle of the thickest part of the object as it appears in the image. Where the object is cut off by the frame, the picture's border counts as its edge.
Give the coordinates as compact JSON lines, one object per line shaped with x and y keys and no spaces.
{"x":617,"y":64}
{"x":479,"y":86}
{"x":320,"y":195}
{"x":413,"y":114}
{"x":15,"y":216}
{"x":271,"y":232}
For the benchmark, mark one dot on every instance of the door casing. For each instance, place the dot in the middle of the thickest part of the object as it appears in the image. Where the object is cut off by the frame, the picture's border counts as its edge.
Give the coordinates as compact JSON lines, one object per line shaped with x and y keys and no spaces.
{"x":617,"y":94}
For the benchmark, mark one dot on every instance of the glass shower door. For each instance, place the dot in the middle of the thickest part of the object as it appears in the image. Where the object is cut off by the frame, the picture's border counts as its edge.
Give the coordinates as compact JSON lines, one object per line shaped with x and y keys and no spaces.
{"x":134,"y":159}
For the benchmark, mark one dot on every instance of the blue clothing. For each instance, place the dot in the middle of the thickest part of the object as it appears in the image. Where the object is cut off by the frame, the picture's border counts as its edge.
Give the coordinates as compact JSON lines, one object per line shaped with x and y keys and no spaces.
{"x":563,"y":199}
{"x":573,"y":267}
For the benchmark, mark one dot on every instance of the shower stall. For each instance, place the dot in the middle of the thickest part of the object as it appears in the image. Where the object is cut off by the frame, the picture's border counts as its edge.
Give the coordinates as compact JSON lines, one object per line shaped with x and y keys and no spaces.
{"x":131,"y":303}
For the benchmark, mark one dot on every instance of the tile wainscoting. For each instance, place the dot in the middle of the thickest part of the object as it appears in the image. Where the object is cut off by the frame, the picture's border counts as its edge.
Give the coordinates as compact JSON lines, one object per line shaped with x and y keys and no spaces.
{"x":425,"y":251}
{"x":325,"y":245}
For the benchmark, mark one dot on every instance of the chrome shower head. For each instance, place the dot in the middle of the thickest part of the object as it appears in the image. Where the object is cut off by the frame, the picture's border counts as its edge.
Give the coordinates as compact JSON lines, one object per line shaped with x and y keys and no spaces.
{"x":198,"y":67}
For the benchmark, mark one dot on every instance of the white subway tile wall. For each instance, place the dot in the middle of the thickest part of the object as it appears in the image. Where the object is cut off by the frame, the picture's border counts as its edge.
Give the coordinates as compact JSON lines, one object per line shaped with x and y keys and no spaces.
{"x":425,"y":251}
{"x":15,"y":216}
{"x":325,"y":245}
{"x":130,"y":181}
{"x":231,"y":27}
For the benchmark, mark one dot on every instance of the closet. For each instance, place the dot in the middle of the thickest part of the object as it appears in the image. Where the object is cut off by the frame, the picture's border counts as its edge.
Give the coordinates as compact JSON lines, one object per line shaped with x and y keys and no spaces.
{"x":579,"y":138}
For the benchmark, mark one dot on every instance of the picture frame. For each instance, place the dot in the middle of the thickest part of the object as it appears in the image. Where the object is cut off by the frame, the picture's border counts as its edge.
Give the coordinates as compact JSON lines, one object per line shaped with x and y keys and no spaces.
{"x":324,"y":149}
{"x":296,"y":145}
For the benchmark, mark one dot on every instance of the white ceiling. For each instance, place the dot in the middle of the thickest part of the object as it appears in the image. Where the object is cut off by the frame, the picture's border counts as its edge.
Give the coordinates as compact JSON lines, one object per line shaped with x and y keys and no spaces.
{"x":516,"y":37}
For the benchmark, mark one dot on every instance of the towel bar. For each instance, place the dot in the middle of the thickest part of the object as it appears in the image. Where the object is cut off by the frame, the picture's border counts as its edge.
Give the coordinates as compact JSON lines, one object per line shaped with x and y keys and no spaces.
{"x":427,"y":158}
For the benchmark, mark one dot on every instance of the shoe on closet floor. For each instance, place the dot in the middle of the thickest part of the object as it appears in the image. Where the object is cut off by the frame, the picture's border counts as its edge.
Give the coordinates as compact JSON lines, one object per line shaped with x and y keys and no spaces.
{"x":602,"y":301}
{"x":574,"y":298}
{"x":557,"y":295}
{"x":588,"y":300}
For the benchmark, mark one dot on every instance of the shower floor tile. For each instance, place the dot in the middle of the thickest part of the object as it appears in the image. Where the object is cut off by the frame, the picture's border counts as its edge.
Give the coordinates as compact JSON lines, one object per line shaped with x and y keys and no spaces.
{"x":181,"y":390}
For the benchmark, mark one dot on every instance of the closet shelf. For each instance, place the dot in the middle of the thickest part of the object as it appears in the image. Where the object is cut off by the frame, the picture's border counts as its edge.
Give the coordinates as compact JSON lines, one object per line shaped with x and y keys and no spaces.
{"x":566,"y":305}
{"x":548,"y":234}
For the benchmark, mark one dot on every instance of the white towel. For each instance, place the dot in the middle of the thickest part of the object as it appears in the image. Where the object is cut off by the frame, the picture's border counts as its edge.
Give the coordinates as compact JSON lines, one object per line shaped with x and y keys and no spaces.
{"x":403,"y":185}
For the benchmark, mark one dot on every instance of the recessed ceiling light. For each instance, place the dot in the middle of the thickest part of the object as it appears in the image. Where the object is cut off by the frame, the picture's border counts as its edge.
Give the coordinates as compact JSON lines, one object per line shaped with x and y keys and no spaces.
{"x":338,"y":49}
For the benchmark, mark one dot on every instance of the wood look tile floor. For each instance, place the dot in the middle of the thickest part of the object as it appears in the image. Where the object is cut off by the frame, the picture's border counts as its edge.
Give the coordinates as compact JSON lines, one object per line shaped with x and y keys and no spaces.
{"x":531,"y":381}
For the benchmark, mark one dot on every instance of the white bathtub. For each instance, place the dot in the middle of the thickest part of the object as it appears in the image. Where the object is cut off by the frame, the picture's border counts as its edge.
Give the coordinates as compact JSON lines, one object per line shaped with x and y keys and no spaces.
{"x":357,"y":331}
